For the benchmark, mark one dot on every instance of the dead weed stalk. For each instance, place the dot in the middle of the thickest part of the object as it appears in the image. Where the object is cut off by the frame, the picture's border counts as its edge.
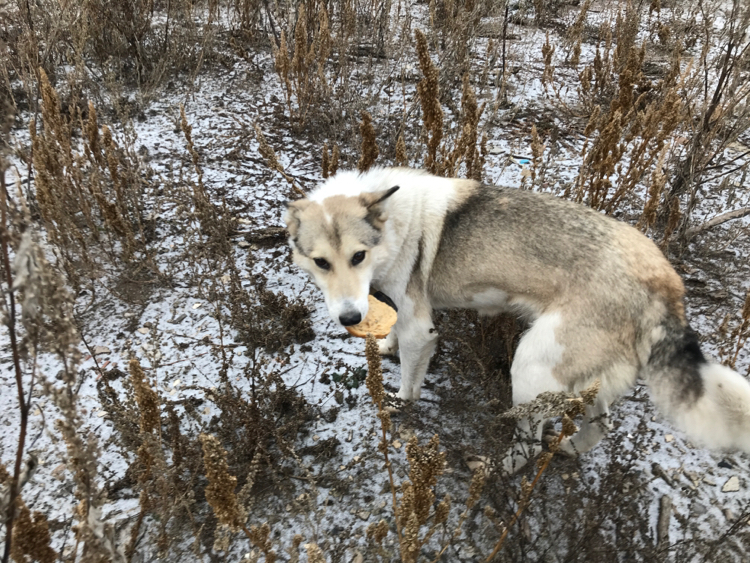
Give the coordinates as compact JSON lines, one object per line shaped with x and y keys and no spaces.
{"x":550,"y":404}
{"x":369,"y":152}
{"x":87,"y":195}
{"x":302,"y":71}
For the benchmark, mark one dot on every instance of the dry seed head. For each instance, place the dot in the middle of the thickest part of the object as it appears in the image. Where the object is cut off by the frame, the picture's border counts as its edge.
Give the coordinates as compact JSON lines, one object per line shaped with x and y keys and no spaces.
{"x":442,"y":510}
{"x":655,"y":190}
{"x":589,"y":394}
{"x":575,"y":34}
{"x":146,"y":397}
{"x":300,"y":43}
{"x":429,"y":98}
{"x":401,"y":158}
{"x":593,"y":122}
{"x":584,"y":78}
{"x":31,"y":537}
{"x":746,"y":307}
{"x":92,"y":134}
{"x":266,"y":151}
{"x":470,"y":113}
{"x":334,"y":160}
{"x":244,"y":497}
{"x":187,"y":129}
{"x":543,"y":459}
{"x":222,"y":538}
{"x":568,"y":426}
{"x":410,"y":544}
{"x":374,"y":380}
{"x":323,"y":41}
{"x":314,"y":554}
{"x":377,"y":532}
{"x":261,"y":536}
{"x":549,"y":70}
{"x":370,"y":150}
{"x":426,"y":464}
{"x":674,"y":218}
{"x":221,"y":484}
{"x":476,"y":487}
{"x":385,"y":421}
{"x":536,"y":144}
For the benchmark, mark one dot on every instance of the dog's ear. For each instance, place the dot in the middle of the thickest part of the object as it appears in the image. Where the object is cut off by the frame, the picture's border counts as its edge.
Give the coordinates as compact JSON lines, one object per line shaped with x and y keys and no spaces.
{"x":291,"y":218}
{"x":372,"y":200}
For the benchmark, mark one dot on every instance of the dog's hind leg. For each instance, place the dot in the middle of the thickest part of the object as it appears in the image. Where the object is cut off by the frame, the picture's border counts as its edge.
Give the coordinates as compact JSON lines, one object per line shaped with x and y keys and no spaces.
{"x":537,"y":355}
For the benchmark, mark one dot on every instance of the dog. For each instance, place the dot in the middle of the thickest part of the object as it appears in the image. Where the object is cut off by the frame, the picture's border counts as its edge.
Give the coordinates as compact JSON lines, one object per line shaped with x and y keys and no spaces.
{"x":602,"y":301}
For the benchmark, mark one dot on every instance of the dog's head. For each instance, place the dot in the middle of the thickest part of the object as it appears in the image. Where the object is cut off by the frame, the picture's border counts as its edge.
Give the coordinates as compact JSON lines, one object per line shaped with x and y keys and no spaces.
{"x":337,"y":241}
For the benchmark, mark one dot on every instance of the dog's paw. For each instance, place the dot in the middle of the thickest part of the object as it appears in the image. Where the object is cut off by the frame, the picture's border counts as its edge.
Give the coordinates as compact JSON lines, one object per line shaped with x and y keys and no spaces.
{"x":392,"y":403}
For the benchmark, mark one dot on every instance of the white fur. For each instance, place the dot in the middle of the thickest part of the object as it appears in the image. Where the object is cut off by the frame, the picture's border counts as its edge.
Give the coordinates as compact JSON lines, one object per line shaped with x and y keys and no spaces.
{"x":536,"y":357}
{"x":490,"y":301}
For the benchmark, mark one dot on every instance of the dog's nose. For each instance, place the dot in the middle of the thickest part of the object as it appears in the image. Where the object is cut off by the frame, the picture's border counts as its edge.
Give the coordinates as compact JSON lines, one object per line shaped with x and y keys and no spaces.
{"x":349,"y":319}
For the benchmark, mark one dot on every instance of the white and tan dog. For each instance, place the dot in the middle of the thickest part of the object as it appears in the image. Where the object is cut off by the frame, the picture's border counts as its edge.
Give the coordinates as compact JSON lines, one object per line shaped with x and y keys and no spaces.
{"x":602,"y":300}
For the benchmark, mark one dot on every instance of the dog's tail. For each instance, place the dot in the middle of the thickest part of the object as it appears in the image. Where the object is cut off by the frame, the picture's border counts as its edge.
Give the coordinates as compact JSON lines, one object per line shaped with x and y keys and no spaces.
{"x":708,"y":401}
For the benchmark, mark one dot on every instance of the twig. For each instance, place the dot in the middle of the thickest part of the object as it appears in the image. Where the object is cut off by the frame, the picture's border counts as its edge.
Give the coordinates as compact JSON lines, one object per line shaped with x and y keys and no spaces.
{"x":22,"y":404}
{"x":526,"y":497}
{"x":718,"y":220}
{"x":176,"y":361}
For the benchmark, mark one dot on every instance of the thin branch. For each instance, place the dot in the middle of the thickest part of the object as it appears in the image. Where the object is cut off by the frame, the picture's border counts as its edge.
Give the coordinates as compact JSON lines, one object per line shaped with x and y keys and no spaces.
{"x":22,"y":404}
{"x":718,"y":220}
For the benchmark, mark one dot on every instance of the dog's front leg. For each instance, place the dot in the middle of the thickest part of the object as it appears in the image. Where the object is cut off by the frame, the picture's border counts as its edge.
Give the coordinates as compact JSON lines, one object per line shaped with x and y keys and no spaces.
{"x":417,"y":338}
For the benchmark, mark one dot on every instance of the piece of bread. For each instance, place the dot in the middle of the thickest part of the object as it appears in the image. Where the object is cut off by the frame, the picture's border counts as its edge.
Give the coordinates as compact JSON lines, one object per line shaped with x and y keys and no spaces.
{"x":378,"y":322}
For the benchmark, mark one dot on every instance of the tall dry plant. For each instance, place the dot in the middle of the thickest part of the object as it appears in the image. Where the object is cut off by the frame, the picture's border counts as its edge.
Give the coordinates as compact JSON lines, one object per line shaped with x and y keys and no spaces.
{"x":720,"y":107}
{"x":548,"y":404}
{"x":303,"y":70}
{"x":46,"y":325}
{"x":465,"y":148}
{"x":457,"y":25}
{"x":417,"y":516}
{"x":636,"y":124}
{"x":416,"y":506}
{"x":428,"y":90}
{"x":221,"y":496}
{"x":90,"y":198}
{"x":369,"y":151}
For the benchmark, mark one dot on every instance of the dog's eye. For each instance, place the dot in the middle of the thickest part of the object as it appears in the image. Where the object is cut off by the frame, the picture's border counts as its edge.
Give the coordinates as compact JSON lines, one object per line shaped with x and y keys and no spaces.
{"x":358,"y":257}
{"x":322,"y":263}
